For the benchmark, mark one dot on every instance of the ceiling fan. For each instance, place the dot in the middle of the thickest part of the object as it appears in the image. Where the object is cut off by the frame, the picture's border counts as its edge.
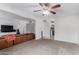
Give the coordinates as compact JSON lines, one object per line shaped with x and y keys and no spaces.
{"x":48,"y":8}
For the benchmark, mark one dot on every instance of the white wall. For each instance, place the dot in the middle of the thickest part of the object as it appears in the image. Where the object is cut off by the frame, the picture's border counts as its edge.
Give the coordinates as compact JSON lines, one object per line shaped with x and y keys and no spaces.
{"x":67,"y":23}
{"x":7,"y":18}
{"x":67,"y":28}
{"x":38,"y":28}
{"x":30,"y":27}
{"x":22,"y":26}
{"x":4,"y":21}
{"x":17,"y":24}
{"x":26,"y":27}
{"x":46,"y":29}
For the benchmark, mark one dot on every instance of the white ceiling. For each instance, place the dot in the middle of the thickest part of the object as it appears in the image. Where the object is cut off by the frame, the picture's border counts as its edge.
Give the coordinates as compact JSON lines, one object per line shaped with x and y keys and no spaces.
{"x":26,"y":10}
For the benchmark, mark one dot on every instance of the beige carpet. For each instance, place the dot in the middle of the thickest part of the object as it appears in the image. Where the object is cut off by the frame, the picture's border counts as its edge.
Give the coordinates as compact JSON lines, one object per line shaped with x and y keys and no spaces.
{"x":42,"y":47}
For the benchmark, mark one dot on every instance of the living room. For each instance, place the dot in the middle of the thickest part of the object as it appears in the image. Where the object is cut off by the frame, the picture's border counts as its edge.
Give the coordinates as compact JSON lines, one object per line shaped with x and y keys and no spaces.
{"x":55,"y":32}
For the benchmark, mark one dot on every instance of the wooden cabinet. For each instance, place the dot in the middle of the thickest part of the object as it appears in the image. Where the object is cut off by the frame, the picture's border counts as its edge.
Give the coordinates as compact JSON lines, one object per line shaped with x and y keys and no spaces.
{"x":4,"y":44}
{"x":24,"y":37}
{"x":19,"y":39}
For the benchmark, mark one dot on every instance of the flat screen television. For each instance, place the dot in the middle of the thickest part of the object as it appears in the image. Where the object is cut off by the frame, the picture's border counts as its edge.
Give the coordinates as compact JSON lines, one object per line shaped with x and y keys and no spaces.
{"x":7,"y":28}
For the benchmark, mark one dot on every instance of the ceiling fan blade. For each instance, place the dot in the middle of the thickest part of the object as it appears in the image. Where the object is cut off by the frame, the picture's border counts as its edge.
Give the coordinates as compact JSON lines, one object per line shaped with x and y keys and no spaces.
{"x":36,"y":10}
{"x":56,"y":6}
{"x":53,"y":12}
{"x":44,"y":5}
{"x":41,"y":4}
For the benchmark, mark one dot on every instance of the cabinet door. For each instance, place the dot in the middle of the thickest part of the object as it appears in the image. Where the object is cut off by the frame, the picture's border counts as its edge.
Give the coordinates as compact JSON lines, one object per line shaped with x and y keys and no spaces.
{"x":4,"y":44}
{"x":18,"y":40}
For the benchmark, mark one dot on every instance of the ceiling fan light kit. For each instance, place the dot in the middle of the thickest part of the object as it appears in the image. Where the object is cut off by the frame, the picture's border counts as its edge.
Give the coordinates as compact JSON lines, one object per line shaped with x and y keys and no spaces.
{"x":46,"y":12}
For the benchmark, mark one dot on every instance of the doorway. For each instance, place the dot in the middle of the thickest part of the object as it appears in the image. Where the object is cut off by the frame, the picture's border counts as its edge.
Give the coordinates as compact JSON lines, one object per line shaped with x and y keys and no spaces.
{"x":52,"y":32}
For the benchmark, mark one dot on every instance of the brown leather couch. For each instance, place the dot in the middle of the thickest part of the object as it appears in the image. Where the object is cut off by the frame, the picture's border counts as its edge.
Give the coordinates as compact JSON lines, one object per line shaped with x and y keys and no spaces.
{"x":19,"y":39}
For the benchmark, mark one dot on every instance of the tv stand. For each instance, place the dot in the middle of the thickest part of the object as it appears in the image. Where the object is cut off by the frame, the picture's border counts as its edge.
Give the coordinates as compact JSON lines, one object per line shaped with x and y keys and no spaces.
{"x":19,"y":39}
